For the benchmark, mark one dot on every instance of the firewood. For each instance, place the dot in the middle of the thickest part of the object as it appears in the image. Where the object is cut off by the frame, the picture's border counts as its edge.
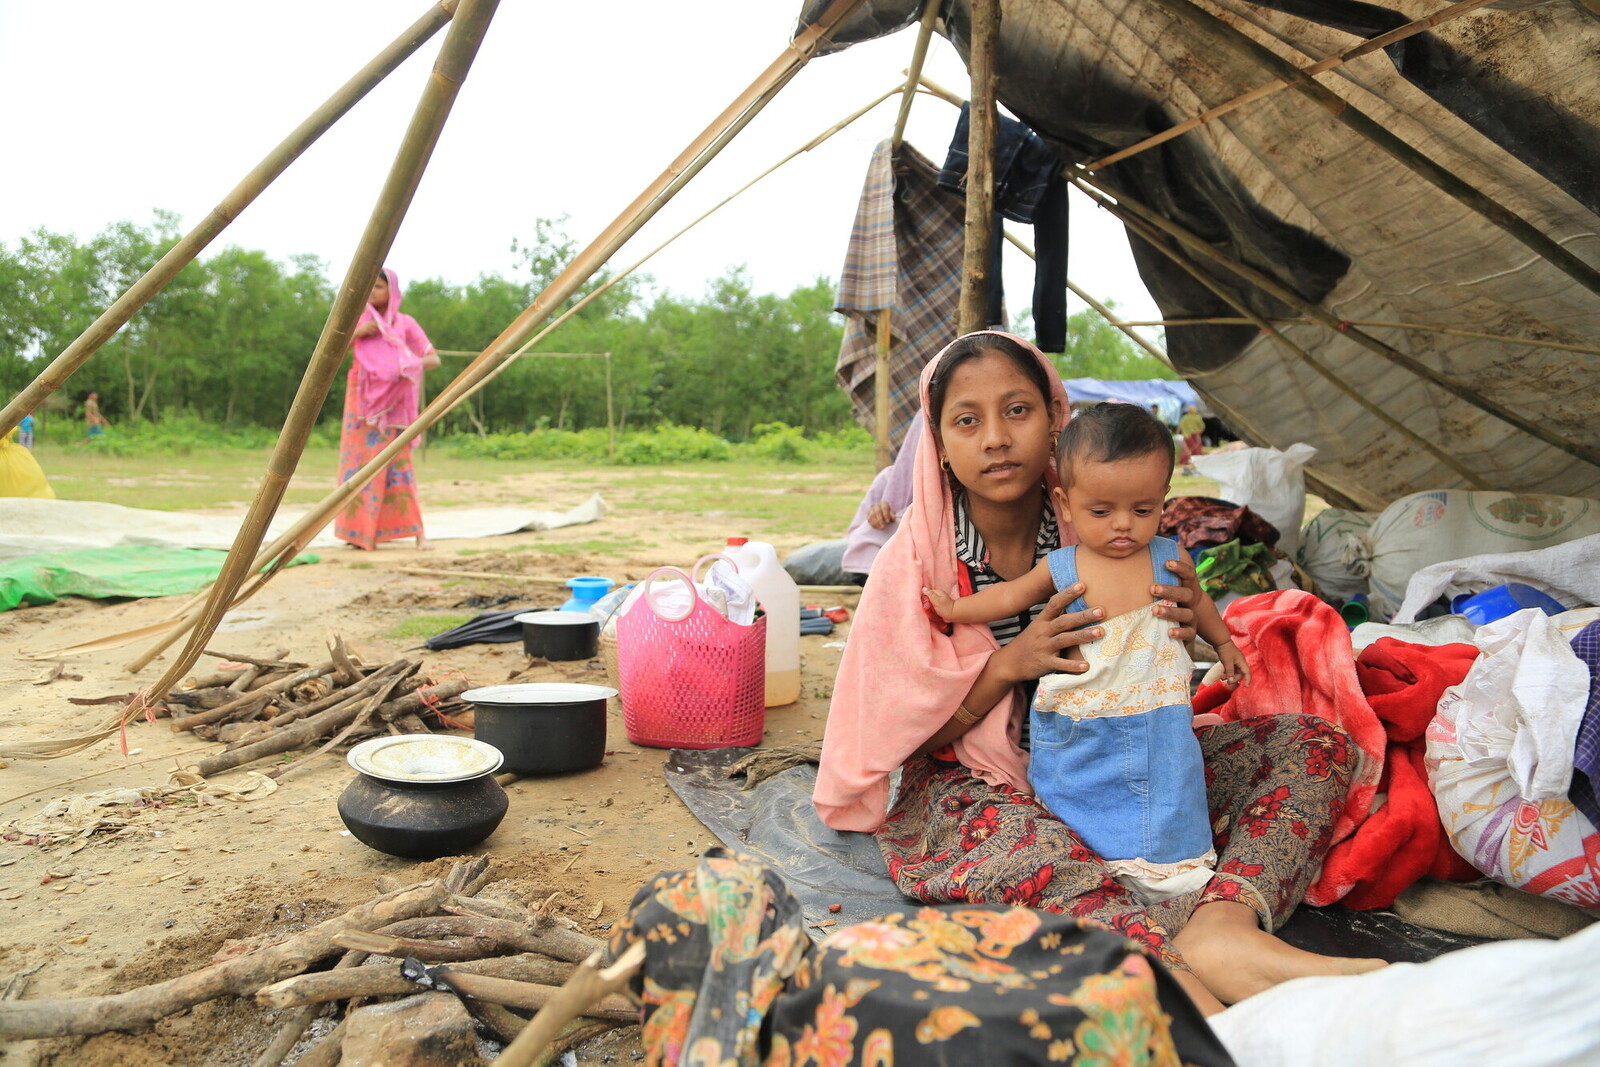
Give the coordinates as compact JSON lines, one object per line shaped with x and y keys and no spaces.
{"x":305,"y":990}
{"x":303,"y":731}
{"x":276,"y":662}
{"x":589,"y":984}
{"x":293,"y":1025}
{"x":572,"y":1035}
{"x":184,"y":722}
{"x":212,"y":696}
{"x":446,"y":950}
{"x":241,"y":975}
{"x":555,"y":939}
{"x":344,"y":669}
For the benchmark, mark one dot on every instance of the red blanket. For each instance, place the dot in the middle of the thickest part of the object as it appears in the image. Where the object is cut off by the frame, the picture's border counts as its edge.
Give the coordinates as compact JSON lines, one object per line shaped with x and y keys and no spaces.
{"x":1404,"y":839}
{"x":1301,"y":663}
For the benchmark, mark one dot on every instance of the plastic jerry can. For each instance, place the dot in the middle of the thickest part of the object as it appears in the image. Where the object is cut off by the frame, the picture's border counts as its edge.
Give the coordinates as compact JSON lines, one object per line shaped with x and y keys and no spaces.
{"x":779,"y":597}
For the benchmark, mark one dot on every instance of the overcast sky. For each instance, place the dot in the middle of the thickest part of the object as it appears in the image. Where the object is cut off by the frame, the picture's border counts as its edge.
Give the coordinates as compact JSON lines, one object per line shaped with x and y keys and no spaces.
{"x":115,"y":109}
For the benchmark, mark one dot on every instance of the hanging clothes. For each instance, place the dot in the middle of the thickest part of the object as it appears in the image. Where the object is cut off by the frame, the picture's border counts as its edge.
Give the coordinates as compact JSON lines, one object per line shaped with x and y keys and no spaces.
{"x":1028,"y":188}
{"x":904,"y":255}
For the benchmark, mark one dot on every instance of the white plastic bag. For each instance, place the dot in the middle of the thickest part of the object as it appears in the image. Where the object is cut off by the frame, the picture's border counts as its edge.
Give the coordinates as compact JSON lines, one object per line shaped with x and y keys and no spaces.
{"x":1500,"y":761}
{"x":1268,"y":482}
{"x":1326,"y":549}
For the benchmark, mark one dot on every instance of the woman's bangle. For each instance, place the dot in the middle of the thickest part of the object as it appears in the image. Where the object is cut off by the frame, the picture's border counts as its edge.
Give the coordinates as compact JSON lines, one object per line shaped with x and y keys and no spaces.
{"x":965,"y":717}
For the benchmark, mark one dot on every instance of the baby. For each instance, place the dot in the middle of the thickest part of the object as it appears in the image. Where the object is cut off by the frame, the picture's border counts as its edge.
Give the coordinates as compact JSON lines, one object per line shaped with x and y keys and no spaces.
{"x":1114,"y":753}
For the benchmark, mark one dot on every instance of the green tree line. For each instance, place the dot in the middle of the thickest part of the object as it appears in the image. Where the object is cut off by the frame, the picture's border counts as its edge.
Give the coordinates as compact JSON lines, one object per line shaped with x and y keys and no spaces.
{"x":227,"y":340}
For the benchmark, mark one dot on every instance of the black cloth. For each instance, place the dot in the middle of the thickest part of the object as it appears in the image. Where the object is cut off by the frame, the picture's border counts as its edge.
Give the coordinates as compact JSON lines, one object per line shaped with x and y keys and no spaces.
{"x":1028,"y":188}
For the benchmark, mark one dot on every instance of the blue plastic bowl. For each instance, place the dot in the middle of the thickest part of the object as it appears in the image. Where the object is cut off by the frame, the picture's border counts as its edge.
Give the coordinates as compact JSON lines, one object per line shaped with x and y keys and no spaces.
{"x":1501,"y":600}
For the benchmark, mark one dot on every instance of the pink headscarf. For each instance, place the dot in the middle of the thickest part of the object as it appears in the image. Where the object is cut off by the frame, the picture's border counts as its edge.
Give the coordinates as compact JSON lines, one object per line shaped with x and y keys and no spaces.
{"x":901,"y":678}
{"x":387,"y":375}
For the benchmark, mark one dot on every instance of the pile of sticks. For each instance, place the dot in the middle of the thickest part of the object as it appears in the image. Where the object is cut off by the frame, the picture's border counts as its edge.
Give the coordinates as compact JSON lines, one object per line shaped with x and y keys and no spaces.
{"x":502,"y":959}
{"x":271,"y":705}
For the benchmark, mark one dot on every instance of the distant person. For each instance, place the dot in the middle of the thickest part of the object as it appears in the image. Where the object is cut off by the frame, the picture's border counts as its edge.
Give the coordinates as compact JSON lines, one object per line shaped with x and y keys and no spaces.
{"x":94,"y":423}
{"x":382,"y":394}
{"x":25,"y":432}
{"x":1192,"y":428}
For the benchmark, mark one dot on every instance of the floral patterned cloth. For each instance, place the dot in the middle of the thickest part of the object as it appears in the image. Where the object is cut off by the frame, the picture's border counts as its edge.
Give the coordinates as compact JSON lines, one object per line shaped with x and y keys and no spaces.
{"x":1275,"y":786}
{"x":981,"y":984}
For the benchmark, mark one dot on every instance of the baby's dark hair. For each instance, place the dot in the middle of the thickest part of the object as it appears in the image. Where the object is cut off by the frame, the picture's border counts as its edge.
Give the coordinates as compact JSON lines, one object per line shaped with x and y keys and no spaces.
{"x":1106,"y":433}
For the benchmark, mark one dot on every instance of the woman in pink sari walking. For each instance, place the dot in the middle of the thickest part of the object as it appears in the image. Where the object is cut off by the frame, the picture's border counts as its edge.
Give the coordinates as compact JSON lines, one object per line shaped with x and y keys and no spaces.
{"x":381,"y":397}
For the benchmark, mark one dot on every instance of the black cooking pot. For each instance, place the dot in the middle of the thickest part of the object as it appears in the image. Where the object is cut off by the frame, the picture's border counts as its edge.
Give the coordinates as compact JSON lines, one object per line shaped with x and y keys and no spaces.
{"x":560,"y":635}
{"x":423,"y":797}
{"x":543,"y":727}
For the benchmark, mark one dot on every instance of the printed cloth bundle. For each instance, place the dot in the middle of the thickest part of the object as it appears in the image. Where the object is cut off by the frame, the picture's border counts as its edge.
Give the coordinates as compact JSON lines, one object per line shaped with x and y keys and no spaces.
{"x":1201,"y":522}
{"x":729,"y":978}
{"x":1500,"y":761}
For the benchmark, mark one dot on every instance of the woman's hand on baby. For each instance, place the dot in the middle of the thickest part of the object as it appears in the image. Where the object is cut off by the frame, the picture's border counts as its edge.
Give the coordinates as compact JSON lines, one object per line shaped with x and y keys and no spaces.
{"x":1040,"y":648}
{"x":1235,"y":671}
{"x":1178,"y":612}
{"x":367,"y":329}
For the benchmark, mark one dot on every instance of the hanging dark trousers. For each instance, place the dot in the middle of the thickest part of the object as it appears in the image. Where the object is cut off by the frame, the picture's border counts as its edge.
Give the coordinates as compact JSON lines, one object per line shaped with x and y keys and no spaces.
{"x":1028,"y":188}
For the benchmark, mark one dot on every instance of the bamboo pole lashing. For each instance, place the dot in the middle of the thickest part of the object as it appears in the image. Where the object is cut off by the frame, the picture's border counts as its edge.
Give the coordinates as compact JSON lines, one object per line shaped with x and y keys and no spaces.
{"x":982,"y":118}
{"x":1097,"y":190}
{"x":229,"y":208}
{"x":460,"y":46}
{"x":1322,"y":66}
{"x":1369,"y":129}
{"x":309,"y":524}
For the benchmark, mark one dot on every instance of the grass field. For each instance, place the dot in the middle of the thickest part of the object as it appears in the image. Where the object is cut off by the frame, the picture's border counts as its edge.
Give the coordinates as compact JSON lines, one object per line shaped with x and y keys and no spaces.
{"x":786,"y":496}
{"x":815,"y":499}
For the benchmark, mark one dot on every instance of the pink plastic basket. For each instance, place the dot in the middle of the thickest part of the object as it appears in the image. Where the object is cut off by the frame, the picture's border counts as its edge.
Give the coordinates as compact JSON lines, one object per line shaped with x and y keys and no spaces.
{"x":698,"y":681}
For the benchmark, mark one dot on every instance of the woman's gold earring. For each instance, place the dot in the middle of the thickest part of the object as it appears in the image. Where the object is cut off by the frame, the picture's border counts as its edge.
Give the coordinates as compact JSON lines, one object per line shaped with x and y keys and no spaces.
{"x":944,"y":464}
{"x":1055,"y":440}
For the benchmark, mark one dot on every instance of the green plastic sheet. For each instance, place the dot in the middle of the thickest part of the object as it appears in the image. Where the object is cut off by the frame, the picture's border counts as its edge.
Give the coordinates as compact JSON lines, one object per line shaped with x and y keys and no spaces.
{"x":106,"y":573}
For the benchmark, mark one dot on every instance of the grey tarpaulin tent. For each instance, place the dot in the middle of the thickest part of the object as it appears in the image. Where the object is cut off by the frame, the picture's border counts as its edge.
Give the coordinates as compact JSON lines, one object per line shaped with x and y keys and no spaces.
{"x":1450,"y":182}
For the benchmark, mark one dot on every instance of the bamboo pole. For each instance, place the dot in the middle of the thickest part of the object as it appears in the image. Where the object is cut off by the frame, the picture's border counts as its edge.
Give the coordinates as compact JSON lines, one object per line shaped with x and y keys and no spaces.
{"x":885,"y":335}
{"x":1224,"y":320}
{"x":496,"y":356}
{"x":1369,"y":129}
{"x":919,"y":55}
{"x":1098,"y":191}
{"x":1157,"y":241}
{"x":231,"y":206}
{"x":455,"y":59}
{"x":611,"y":418}
{"x":982,"y":119}
{"x":880,"y":388}
{"x":1302,"y":74}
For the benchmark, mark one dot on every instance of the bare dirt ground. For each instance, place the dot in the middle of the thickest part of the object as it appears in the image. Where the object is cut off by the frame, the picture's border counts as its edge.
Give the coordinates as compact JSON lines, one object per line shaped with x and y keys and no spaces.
{"x":157,"y":899}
